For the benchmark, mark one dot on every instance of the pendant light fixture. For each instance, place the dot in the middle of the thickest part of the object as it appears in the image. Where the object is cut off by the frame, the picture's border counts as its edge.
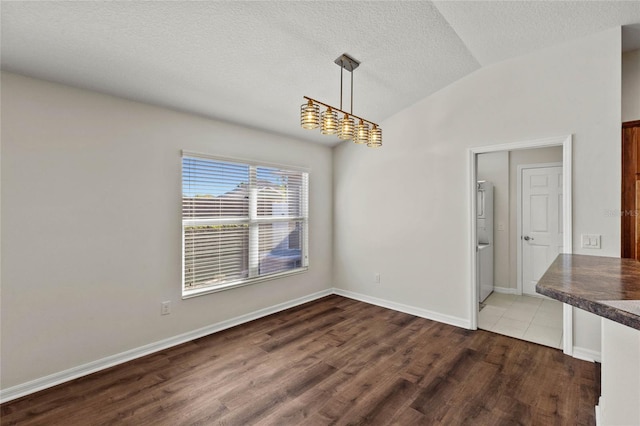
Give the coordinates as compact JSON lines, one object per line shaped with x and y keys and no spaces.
{"x":345,"y":127}
{"x":309,"y":116}
{"x":362,"y":133}
{"x":329,"y":122}
{"x":375,"y":137}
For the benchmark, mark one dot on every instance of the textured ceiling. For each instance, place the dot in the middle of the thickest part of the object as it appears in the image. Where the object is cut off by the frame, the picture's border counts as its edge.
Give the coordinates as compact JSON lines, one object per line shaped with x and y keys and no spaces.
{"x":251,"y":62}
{"x":495,"y":31}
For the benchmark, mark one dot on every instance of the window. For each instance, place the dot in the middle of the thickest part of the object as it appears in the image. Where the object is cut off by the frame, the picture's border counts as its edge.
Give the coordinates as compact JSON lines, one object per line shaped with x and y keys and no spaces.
{"x":241,"y":223}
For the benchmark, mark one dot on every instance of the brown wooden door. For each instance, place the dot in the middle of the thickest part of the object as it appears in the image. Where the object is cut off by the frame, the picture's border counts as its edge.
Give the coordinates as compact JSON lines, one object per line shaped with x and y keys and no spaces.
{"x":631,"y":190}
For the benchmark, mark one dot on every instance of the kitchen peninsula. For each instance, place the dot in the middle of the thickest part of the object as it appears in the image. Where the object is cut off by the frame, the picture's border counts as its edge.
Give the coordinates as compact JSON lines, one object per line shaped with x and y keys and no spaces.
{"x":608,"y":287}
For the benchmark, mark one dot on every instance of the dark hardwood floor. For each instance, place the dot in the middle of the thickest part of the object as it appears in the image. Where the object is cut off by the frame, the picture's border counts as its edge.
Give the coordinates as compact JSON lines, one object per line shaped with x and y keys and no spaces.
{"x":332,"y":361}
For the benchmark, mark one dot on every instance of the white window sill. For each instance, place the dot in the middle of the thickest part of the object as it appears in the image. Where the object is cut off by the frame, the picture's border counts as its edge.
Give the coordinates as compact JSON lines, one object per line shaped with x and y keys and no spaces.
{"x":188,"y":294}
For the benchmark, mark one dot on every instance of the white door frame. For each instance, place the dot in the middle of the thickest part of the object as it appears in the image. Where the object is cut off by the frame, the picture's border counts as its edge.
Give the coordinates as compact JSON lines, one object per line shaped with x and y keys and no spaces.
{"x":522,"y":167}
{"x":565,"y":142}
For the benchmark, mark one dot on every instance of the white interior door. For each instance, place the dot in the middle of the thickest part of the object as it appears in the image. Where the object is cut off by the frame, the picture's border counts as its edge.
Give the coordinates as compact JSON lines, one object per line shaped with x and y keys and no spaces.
{"x":541,"y":238}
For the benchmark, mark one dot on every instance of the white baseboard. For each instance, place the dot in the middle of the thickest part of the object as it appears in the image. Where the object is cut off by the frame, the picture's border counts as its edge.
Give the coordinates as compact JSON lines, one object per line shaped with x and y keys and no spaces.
{"x":505,"y":290}
{"x":419,"y":312}
{"x":101,"y":364}
{"x":587,"y":354}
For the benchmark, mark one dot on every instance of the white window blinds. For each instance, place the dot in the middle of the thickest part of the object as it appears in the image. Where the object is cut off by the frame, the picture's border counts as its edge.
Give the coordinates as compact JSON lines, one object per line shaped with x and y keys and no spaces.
{"x":241,"y":223}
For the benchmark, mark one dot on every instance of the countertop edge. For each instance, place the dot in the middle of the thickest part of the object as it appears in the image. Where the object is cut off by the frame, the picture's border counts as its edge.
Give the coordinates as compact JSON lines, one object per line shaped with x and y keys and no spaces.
{"x":612,"y":313}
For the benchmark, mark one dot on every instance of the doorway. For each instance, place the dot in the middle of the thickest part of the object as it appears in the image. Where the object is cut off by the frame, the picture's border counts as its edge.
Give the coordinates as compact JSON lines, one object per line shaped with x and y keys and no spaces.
{"x":507,"y":292}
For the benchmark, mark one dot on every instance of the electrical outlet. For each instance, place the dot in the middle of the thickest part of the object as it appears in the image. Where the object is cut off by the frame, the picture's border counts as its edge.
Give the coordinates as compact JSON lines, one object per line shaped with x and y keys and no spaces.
{"x":165,"y":308}
{"x":376,"y":277}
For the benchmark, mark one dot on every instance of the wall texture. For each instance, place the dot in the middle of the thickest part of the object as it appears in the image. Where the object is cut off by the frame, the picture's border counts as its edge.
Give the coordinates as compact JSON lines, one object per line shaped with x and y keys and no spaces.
{"x":403,"y":210}
{"x":91,"y":225}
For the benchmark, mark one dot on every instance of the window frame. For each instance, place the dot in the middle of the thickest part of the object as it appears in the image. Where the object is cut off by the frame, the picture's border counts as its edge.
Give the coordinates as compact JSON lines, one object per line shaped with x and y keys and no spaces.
{"x":253,"y":220}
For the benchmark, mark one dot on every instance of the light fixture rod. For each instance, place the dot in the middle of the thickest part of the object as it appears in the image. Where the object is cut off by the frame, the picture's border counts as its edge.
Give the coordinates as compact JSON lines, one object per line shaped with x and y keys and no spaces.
{"x":341,"y":87}
{"x":340,"y":110}
{"x":352,"y":93}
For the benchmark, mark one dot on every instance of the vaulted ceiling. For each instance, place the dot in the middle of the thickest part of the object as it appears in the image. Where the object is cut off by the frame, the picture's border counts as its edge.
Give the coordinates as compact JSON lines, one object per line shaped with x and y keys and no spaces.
{"x":251,"y":62}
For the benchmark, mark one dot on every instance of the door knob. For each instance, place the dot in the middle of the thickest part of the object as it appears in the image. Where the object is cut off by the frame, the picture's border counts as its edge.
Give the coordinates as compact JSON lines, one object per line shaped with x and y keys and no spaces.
{"x":527,"y":238}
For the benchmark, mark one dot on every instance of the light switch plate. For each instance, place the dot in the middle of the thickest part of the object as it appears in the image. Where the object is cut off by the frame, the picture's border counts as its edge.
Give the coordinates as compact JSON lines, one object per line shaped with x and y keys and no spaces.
{"x":591,"y":241}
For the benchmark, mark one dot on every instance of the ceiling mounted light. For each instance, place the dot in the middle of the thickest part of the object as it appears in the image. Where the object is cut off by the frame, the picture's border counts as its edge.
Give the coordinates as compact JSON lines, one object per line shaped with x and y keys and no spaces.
{"x":345,"y":128}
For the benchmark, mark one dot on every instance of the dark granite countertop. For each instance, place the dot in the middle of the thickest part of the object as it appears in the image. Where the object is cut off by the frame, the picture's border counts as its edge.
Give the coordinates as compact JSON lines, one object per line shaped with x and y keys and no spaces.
{"x":606,"y":286}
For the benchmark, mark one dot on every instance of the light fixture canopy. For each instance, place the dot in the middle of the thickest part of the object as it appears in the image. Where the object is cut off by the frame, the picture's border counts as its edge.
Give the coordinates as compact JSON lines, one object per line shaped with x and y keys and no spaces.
{"x":345,"y":128}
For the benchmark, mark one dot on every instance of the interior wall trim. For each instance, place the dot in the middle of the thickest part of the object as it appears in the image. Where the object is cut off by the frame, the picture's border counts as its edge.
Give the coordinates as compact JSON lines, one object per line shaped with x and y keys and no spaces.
{"x":54,"y":379}
{"x":407,"y":309}
{"x":587,"y":354}
{"x":506,"y":290}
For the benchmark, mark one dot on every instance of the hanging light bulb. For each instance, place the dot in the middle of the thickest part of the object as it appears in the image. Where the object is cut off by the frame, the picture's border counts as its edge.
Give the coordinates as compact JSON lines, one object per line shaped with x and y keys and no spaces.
{"x":329,"y":122}
{"x":346,"y":128}
{"x":375,"y":137}
{"x":362,"y":133}
{"x":309,"y":115}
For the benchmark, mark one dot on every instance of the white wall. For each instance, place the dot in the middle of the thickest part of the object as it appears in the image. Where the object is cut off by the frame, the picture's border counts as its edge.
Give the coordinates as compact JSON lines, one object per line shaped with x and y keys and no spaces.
{"x":620,"y":375}
{"x":494,"y":167}
{"x":631,"y":86}
{"x":91,"y":233}
{"x":403,"y":210}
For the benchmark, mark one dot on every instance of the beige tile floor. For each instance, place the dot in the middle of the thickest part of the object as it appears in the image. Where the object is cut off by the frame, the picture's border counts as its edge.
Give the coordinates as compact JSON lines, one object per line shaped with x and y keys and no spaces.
{"x":529,"y":318}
